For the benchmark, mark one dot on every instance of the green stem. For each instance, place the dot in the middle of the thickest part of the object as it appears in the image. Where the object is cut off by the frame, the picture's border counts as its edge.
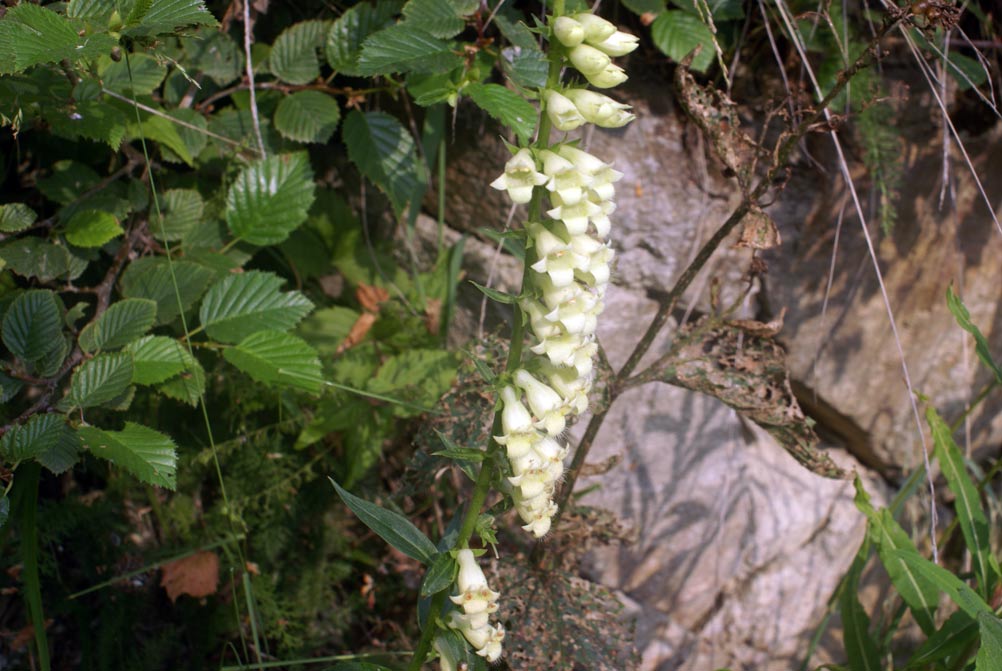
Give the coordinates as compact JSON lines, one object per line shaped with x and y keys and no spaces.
{"x":27,"y":503}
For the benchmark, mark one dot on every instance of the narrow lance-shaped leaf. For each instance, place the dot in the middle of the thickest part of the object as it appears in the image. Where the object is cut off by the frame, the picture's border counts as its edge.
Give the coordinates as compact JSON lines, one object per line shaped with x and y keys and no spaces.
{"x":959,"y":593}
{"x":918,"y":592}
{"x":990,"y":653}
{"x":441,"y":574}
{"x":981,"y":347}
{"x":973,"y":522}
{"x":860,"y":647}
{"x":392,"y":527}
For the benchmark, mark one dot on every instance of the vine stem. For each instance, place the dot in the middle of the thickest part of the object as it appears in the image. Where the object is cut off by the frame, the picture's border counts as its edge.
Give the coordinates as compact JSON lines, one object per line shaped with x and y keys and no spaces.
{"x":482,"y":486}
{"x":622,"y":380}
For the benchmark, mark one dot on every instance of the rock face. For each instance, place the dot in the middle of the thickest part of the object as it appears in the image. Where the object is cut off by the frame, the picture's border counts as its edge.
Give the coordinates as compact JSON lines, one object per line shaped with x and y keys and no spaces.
{"x":740,"y":548}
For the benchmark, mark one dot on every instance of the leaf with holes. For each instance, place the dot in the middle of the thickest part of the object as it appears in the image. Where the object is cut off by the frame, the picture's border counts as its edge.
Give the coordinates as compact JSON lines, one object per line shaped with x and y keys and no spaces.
{"x":16,"y":217}
{"x":156,"y":359}
{"x":385,"y":153}
{"x":441,"y":18}
{"x":273,"y":357}
{"x":392,"y":527}
{"x":344,"y":41}
{"x":32,"y":326}
{"x":119,"y":325}
{"x":100,"y":380}
{"x":151,"y":277}
{"x":270,"y":198}
{"x":293,"y":57}
{"x":970,"y":513}
{"x":307,"y":116}
{"x":506,"y":106}
{"x":404,"y":48}
{"x":166,"y":16}
{"x":243,"y":304}
{"x":676,"y":33}
{"x":91,"y":228}
{"x":147,"y":454}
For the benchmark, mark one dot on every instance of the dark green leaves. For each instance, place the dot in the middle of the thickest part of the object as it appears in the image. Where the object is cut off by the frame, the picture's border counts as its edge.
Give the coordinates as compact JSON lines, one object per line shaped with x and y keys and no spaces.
{"x":150,"y":277}
{"x":32,"y":327}
{"x":385,"y":153}
{"x":164,"y":16}
{"x":404,"y":48}
{"x":16,"y":217}
{"x":147,"y":454}
{"x":156,"y":359}
{"x":46,"y":438}
{"x":954,"y":587}
{"x":31,"y":34}
{"x":392,"y":527}
{"x":273,"y":357}
{"x":100,"y":380}
{"x":243,"y":304}
{"x":344,"y":41}
{"x":294,"y":55}
{"x":676,"y":33}
{"x":506,"y":106}
{"x":859,"y":645}
{"x":495,"y":295}
{"x":307,"y":116}
{"x":270,"y":198}
{"x":119,"y":325}
{"x":441,"y":574}
{"x":990,"y":653}
{"x":439,"y":18}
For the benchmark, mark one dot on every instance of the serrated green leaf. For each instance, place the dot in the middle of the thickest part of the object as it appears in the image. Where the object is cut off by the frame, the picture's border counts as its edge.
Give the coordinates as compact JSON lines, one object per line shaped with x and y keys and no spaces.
{"x":392,"y":527}
{"x":33,"y":438}
{"x":921,"y":594}
{"x":344,"y":41}
{"x":64,"y":453}
{"x":9,"y":387}
{"x":440,"y":575}
{"x":526,"y":67}
{"x":385,"y":153}
{"x":958,"y":591}
{"x":495,"y":295}
{"x":307,"y":116}
{"x":164,"y":131}
{"x":418,"y":376}
{"x":676,"y":33}
{"x":100,"y":380}
{"x":92,"y":228}
{"x":52,"y":362}
{"x":150,"y":277}
{"x":166,"y":16}
{"x":645,"y":6}
{"x":123,"y":322}
{"x":327,"y":328}
{"x":240,"y":305}
{"x":90,"y":9}
{"x":32,"y":326}
{"x":16,"y":217}
{"x":31,"y":35}
{"x":405,"y":48}
{"x":293,"y":57}
{"x":506,"y":106}
{"x":147,"y":454}
{"x":90,"y":120}
{"x":182,"y":210}
{"x":437,"y":17}
{"x":215,"y":54}
{"x":990,"y":653}
{"x":189,"y":386}
{"x":970,"y":513}
{"x":981,"y":347}
{"x":156,"y":359}
{"x":430,"y":89}
{"x":34,"y":257}
{"x":273,"y":357}
{"x":142,"y":74}
{"x":270,"y":198}
{"x":67,"y":180}
{"x":138,"y":11}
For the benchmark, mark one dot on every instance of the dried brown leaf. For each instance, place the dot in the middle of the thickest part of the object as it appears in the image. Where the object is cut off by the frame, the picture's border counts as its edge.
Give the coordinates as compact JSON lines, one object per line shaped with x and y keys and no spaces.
{"x":358,"y":331}
{"x":758,"y":230}
{"x":371,"y":297}
{"x":196,"y":575}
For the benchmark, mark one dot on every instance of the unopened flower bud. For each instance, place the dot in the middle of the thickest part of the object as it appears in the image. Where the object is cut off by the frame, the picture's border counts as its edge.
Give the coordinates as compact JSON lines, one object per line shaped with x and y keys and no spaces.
{"x":568,"y":32}
{"x":596,"y":29}
{"x":561,"y":111}
{"x":610,"y":76}
{"x":471,"y":576}
{"x":599,"y":109}
{"x":589,"y":61}
{"x":617,"y":44}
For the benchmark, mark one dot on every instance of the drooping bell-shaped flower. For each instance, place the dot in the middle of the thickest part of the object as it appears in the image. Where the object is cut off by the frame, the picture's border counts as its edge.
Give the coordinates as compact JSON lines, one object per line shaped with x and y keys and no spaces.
{"x":609,"y":77}
{"x":556,"y":258}
{"x":517,"y":425}
{"x":575,"y":217}
{"x":568,"y":32}
{"x":617,"y":44}
{"x":542,"y":327}
{"x":588,"y":60}
{"x":561,"y":111}
{"x":520,"y":176}
{"x":546,"y":404}
{"x":596,"y":29}
{"x":565,"y":180}
{"x":599,"y":109}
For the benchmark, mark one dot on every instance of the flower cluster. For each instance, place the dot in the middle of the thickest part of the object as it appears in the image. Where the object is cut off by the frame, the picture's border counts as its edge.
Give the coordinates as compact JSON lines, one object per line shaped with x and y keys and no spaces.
{"x":563,"y":295}
{"x":477,"y":601}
